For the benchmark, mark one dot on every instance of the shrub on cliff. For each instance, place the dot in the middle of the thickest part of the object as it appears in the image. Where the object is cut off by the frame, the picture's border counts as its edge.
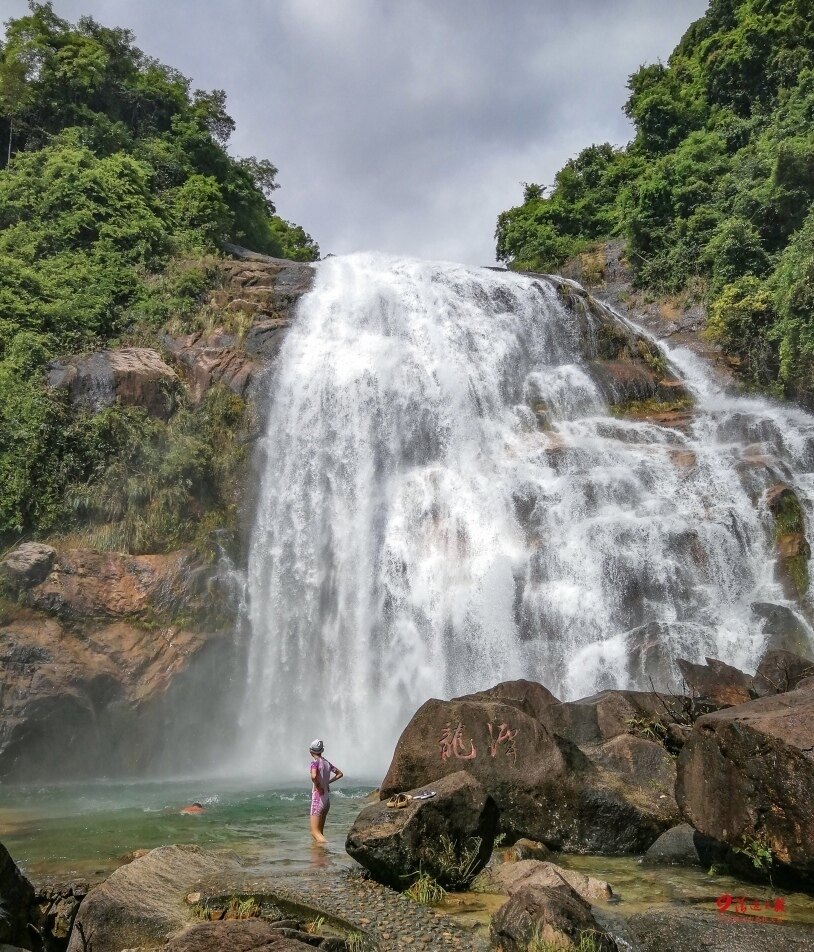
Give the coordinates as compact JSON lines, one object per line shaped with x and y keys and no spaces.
{"x":715,"y":187}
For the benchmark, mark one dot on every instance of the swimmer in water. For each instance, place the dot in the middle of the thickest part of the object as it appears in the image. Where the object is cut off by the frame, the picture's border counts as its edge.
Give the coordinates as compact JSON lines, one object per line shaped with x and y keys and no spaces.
{"x":193,"y":808}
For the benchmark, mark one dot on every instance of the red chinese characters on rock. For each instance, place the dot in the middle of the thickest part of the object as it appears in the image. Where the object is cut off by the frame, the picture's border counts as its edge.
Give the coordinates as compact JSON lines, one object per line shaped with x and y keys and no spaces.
{"x":741,"y":906}
{"x":503,"y":735}
{"x":453,"y":745}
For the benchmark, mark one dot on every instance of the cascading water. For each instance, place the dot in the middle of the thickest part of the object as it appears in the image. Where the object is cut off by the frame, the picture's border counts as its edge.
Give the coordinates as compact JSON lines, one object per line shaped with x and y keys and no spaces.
{"x":419,"y":534}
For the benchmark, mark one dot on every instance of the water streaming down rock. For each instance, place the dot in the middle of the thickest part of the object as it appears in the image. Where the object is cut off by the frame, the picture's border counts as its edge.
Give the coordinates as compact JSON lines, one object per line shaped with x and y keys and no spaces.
{"x":448,"y":501}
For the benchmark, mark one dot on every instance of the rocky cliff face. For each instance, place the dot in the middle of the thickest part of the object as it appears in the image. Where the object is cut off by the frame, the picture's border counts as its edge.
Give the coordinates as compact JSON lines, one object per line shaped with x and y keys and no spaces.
{"x":110,"y":663}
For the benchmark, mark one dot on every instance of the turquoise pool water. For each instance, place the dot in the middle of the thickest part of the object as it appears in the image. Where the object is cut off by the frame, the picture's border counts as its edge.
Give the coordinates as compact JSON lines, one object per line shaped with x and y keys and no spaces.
{"x":85,"y":830}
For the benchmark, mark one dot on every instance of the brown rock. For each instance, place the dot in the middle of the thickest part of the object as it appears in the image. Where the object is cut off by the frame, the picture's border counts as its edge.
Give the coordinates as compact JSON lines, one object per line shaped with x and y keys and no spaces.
{"x":449,"y":836}
{"x":746,"y":775}
{"x":525,"y":848}
{"x":509,"y":877}
{"x":211,"y":359}
{"x":133,"y":376}
{"x":26,"y":565}
{"x":546,"y":787}
{"x":85,"y":583}
{"x":97,"y":660}
{"x":141,"y":904}
{"x":555,"y":915}
{"x":717,"y":682}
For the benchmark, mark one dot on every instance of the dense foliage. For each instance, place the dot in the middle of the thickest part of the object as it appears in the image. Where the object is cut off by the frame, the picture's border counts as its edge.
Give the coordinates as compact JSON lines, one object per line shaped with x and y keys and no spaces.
{"x":715,"y":194}
{"x":114,"y":176}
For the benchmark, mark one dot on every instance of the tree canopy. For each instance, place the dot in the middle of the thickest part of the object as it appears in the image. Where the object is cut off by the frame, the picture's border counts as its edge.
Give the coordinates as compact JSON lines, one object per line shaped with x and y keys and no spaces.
{"x":112,"y":170}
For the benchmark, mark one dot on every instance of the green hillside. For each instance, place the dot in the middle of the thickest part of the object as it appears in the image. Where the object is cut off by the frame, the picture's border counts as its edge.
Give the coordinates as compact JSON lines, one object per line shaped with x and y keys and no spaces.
{"x":714,"y":195}
{"x":116,"y":192}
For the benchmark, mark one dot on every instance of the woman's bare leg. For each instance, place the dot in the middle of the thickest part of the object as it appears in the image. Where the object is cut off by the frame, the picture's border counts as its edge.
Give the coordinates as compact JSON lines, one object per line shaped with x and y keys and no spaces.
{"x":317,"y":826}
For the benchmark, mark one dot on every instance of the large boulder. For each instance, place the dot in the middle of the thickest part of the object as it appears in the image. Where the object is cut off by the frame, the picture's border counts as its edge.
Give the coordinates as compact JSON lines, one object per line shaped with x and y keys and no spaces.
{"x":133,"y":376}
{"x":672,"y":928}
{"x":16,"y":903}
{"x":449,"y":836}
{"x":746,"y":777}
{"x":683,"y":846}
{"x":716,"y":681}
{"x":588,"y":798}
{"x":538,"y":914}
{"x":142,"y":903}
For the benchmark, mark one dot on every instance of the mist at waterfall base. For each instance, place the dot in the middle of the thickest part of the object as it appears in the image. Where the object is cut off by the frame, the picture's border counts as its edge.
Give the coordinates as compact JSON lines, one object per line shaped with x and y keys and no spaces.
{"x":419,"y":533}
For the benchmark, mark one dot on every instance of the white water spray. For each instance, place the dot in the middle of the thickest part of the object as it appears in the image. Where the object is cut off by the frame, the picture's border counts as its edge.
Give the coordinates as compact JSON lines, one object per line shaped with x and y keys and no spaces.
{"x":418,"y":534}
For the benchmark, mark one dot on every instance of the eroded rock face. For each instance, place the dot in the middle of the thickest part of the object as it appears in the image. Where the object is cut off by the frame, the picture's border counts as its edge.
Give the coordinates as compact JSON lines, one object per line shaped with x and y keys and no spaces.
{"x":133,"y":376}
{"x":746,"y":777}
{"x":141,"y":904}
{"x":16,"y":903}
{"x":253,"y":308}
{"x":455,"y":828}
{"x":596,"y":795}
{"x":783,"y":629}
{"x":556,"y":915}
{"x":95,"y":664}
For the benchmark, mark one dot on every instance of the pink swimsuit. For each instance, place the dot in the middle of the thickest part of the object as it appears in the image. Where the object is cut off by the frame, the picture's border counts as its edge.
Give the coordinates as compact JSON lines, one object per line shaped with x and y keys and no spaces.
{"x":321,"y":802}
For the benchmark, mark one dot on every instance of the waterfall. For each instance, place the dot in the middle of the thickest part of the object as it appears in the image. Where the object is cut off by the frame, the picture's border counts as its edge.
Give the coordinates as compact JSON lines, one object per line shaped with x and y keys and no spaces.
{"x":419,"y":533}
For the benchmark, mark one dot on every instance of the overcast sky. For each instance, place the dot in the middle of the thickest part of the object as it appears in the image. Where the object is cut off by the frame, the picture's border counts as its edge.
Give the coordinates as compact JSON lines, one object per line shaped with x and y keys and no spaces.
{"x":407,"y":125}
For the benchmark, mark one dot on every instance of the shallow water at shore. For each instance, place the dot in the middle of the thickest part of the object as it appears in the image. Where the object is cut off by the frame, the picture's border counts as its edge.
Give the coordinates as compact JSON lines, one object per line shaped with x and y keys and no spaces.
{"x":85,"y":830}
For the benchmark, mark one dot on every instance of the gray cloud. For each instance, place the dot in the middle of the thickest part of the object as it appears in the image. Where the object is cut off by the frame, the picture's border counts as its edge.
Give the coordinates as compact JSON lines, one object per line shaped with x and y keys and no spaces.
{"x":407,"y":126}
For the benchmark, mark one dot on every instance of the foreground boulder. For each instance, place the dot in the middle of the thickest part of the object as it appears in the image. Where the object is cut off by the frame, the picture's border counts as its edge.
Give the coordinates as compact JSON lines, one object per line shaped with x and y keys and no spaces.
{"x":537,"y":914}
{"x":671,"y":928}
{"x":133,"y":376}
{"x":27,"y":565}
{"x":746,"y":777}
{"x":16,"y":903}
{"x":235,"y":935}
{"x":609,"y":794}
{"x":449,"y":836}
{"x":141,"y":904}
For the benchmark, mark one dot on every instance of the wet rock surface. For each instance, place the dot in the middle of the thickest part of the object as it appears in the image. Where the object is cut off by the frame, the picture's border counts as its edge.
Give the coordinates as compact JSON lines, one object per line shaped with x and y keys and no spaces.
{"x":746,"y":777}
{"x":684,"y":846}
{"x":17,"y":907}
{"x":679,"y":929}
{"x":509,"y":877}
{"x":448,"y":836}
{"x":781,"y":671}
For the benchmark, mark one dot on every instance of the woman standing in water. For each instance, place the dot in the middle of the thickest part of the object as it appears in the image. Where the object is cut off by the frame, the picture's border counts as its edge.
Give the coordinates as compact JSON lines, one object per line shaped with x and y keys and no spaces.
{"x":321,"y":770}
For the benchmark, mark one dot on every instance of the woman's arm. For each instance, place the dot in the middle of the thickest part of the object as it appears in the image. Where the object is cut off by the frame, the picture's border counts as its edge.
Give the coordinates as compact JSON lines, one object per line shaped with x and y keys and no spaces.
{"x":315,"y":780}
{"x":338,"y":775}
